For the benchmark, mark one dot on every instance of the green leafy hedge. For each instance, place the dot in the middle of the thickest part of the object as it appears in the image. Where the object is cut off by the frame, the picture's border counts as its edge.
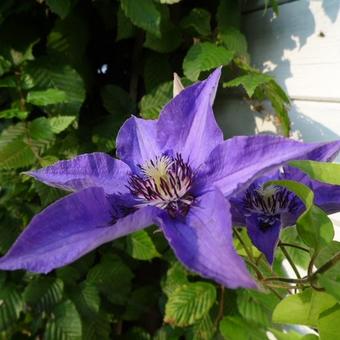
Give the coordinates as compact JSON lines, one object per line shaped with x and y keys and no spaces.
{"x":71,"y":72}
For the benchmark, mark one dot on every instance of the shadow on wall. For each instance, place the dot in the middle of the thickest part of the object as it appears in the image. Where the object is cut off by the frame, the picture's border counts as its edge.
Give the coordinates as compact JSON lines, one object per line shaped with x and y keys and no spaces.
{"x":331,"y":9}
{"x":273,"y":42}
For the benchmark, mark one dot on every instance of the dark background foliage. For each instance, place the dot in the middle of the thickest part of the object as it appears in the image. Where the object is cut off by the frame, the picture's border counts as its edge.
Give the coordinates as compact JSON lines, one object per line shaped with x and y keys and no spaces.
{"x":71,"y":71}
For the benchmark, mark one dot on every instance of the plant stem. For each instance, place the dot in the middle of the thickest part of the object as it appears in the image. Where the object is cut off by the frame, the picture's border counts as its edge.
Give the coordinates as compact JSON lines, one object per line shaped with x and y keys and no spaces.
{"x":286,"y":279}
{"x":290,"y":260}
{"x":293,"y":245}
{"x":221,"y":308}
{"x":329,"y":264}
{"x":250,"y":255}
{"x":256,"y":269}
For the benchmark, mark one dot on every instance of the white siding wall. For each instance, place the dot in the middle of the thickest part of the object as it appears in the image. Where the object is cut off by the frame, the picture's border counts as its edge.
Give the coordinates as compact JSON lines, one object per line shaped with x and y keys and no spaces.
{"x":302,"y":49}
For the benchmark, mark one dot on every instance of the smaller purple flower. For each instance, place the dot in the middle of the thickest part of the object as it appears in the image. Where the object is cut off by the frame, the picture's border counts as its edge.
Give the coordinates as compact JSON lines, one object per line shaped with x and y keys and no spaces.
{"x":265,"y":210}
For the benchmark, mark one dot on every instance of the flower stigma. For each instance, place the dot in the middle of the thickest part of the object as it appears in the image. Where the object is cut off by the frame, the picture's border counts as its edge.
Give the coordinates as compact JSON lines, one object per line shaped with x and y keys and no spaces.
{"x":270,"y":201}
{"x":164,"y":182}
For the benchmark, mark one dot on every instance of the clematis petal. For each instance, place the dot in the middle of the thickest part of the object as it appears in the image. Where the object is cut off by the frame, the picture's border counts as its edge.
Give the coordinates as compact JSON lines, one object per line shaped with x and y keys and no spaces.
{"x":84,"y":171}
{"x":233,"y":164}
{"x":202,"y":241}
{"x":326,"y":196}
{"x":70,"y":228}
{"x":137,"y":141}
{"x":264,"y":234}
{"x":187,"y":124}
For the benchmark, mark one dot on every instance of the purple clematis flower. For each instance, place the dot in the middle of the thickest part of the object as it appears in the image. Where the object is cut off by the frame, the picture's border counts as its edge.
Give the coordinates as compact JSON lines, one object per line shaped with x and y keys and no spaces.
{"x":175,"y":172}
{"x":265,"y":211}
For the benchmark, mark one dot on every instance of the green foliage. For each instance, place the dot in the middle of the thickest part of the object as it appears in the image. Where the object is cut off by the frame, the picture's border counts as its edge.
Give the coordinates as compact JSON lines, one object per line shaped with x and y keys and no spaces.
{"x":143,"y":14}
{"x":43,"y":294}
{"x":42,"y":98}
{"x":189,"y":303}
{"x":141,"y":247}
{"x":65,"y":324}
{"x":71,"y":72}
{"x":11,"y":306}
{"x":303,"y":308}
{"x":204,"y":57}
{"x":250,"y":82}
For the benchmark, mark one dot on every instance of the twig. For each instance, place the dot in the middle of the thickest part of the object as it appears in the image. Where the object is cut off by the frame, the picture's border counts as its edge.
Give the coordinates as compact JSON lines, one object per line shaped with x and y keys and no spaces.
{"x":290,"y":260}
{"x":221,"y":308}
{"x":293,"y":245}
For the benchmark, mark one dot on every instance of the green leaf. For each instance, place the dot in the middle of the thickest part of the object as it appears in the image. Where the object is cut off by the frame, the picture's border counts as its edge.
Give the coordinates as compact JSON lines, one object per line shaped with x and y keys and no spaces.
{"x":60,"y":7}
{"x":144,"y":14}
{"x":14,"y":153}
{"x":11,"y":305}
{"x":199,"y":20}
{"x":325,"y":254}
{"x":97,"y":327}
{"x":49,"y":73}
{"x":331,"y":286}
{"x":5,"y":65}
{"x":189,"y":303}
{"x":176,"y":276}
{"x":204,"y":329}
{"x":152,"y":103}
{"x":43,"y":293}
{"x":250,"y":82}
{"x":60,"y":123}
{"x":47,"y":97}
{"x":204,"y":57}
{"x":251,"y":307}
{"x":113,"y":279}
{"x":65,"y":323}
{"x":234,"y":40}
{"x":141,"y":247}
{"x":236,"y":328}
{"x":300,"y":258}
{"x":87,"y":300}
{"x":125,"y":28}
{"x":320,"y":171}
{"x":328,"y":323}
{"x":313,"y":226}
{"x":14,"y":113}
{"x":170,"y":35}
{"x":303,"y":308}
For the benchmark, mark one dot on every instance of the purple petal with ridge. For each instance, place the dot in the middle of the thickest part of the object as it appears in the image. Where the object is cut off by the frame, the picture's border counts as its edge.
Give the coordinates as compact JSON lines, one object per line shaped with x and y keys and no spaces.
{"x":187,"y":124}
{"x":88,"y":170}
{"x":203,"y":241}
{"x":234,"y":164}
{"x":137,"y":141}
{"x":264,"y":235}
{"x":70,"y":228}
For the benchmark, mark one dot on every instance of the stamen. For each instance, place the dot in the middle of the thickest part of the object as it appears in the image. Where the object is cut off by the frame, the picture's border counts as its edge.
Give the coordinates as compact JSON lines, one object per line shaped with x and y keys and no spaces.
{"x":270,"y":201}
{"x":164,"y":182}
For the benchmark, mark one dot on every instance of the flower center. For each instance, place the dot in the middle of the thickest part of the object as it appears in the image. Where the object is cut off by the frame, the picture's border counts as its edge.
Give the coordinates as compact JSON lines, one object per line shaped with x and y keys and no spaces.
{"x":165,"y":183}
{"x":271,"y":201}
